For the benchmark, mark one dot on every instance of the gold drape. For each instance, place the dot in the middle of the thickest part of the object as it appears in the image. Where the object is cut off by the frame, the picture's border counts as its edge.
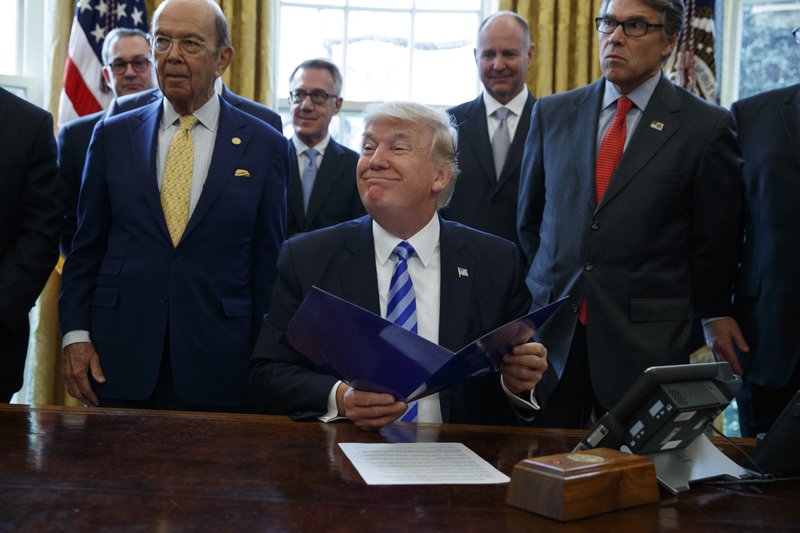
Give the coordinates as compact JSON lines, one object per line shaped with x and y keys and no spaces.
{"x":249,"y":75}
{"x":566,"y":42}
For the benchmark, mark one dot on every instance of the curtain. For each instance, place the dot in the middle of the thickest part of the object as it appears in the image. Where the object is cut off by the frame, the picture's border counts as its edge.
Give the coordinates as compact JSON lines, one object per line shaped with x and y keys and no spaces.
{"x":567,"y":53}
{"x":249,"y":75}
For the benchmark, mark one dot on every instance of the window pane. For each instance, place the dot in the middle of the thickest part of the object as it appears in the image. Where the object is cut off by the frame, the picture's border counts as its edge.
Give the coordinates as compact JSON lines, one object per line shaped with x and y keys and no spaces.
{"x":443,"y":50}
{"x":461,"y":5}
{"x":383,"y":4}
{"x":769,"y":54}
{"x":8,"y":37}
{"x":318,"y":2}
{"x":378,"y":56}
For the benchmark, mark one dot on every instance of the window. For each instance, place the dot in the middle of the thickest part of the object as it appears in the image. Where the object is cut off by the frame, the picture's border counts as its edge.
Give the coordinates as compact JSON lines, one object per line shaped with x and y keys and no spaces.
{"x":21,"y":64}
{"x":760,"y":51}
{"x":418,"y":50}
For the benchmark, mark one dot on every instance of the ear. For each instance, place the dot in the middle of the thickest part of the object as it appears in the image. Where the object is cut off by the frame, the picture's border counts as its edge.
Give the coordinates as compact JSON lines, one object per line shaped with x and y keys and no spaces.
{"x":669,"y":45}
{"x":225,"y":58}
{"x":441,"y":178}
{"x":477,"y":59}
{"x":107,"y":76}
{"x":337,"y":104}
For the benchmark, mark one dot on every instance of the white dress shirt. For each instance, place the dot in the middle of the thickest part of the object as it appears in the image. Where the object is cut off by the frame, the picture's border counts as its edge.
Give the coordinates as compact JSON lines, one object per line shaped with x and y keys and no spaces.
{"x":516,"y":105}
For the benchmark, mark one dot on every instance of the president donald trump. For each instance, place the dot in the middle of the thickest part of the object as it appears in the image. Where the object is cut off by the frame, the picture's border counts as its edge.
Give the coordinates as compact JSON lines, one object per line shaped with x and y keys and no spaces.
{"x":180,"y":219}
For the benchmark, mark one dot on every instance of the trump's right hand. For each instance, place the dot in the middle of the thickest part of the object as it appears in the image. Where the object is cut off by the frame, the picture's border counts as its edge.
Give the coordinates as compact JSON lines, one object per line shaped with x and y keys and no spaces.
{"x":79,"y":359}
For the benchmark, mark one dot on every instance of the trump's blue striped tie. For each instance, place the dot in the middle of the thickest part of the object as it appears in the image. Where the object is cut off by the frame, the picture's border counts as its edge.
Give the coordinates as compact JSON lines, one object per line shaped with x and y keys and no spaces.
{"x":402,"y":305}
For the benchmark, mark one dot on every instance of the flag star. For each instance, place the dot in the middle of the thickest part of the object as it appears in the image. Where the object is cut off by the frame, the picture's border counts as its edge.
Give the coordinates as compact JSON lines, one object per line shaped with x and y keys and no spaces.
{"x":137,"y":16}
{"x":85,"y":4}
{"x":102,"y":8}
{"x":99,"y":33}
{"x":121,"y":8}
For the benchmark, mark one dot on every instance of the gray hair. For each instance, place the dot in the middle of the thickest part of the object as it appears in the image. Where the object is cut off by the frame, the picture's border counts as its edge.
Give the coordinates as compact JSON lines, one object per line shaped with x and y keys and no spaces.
{"x":523,"y":24}
{"x":322,"y":64}
{"x":115,"y":35}
{"x":445,"y":135}
{"x":220,"y":22}
{"x":671,"y":14}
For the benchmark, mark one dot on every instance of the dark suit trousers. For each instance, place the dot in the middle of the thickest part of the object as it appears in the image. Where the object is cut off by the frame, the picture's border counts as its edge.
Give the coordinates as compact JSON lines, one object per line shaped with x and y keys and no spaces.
{"x":13,"y":348}
{"x":760,"y":406}
{"x":572,"y":401}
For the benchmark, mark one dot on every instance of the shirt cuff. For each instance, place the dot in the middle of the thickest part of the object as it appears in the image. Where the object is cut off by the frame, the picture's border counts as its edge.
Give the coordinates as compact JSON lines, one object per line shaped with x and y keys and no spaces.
{"x":713,"y":319}
{"x":520,"y":403}
{"x":333,"y":410}
{"x":76,"y":335}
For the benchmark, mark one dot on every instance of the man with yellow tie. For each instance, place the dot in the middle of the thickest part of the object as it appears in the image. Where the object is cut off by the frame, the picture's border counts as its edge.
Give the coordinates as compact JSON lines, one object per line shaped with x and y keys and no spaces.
{"x":180,"y":219}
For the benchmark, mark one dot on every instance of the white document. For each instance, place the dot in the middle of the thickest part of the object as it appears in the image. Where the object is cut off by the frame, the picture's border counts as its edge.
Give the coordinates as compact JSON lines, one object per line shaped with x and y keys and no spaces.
{"x":420,"y":463}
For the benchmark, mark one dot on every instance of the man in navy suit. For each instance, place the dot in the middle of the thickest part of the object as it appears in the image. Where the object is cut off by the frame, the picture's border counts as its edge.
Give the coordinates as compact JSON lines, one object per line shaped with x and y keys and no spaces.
{"x":127,"y":69}
{"x":466,"y":283}
{"x":174,"y":257}
{"x":768,"y":285}
{"x":658,"y":249}
{"x":486,"y":199}
{"x":322,"y":192}
{"x":30,"y":220}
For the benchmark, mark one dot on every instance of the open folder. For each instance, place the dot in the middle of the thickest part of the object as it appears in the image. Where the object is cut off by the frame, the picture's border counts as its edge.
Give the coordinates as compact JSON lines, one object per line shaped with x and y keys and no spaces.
{"x":375,"y":355}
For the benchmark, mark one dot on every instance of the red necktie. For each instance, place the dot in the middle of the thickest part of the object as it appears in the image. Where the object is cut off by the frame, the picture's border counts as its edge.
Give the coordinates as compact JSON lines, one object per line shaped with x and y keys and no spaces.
{"x":607,"y":160}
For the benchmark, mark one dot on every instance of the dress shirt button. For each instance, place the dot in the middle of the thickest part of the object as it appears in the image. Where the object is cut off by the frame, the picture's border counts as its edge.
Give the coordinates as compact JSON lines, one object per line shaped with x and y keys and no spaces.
{"x":595,"y":225}
{"x":574,"y":308}
{"x":588,"y":267}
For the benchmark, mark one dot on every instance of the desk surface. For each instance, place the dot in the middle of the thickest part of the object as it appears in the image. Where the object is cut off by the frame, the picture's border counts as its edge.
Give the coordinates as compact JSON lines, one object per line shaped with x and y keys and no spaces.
{"x":85,"y":470}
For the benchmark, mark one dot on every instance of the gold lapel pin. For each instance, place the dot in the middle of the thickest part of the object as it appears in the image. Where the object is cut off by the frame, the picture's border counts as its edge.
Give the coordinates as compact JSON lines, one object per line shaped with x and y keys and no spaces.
{"x":236,"y":140}
{"x":656,"y":125}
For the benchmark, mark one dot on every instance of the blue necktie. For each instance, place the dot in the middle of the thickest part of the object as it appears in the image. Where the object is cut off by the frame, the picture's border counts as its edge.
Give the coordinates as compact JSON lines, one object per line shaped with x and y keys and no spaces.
{"x":309,"y":175}
{"x":402,"y":306}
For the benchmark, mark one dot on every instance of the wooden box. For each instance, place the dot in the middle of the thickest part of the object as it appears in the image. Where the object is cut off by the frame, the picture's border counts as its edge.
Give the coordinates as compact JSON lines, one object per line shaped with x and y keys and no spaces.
{"x":574,"y":485}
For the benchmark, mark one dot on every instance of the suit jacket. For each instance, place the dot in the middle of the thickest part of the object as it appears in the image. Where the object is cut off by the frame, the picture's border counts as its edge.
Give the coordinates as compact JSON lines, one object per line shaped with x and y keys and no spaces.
{"x":205,"y":298}
{"x":480,"y":200}
{"x":768,"y":285}
{"x":334,"y":197}
{"x":659,"y":250}
{"x":73,"y":144}
{"x":30,"y":220}
{"x":261,"y":112}
{"x":341,"y":260}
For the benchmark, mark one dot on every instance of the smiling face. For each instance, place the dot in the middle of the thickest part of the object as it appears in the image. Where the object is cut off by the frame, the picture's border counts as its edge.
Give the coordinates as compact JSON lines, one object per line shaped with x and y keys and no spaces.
{"x":187,"y":80}
{"x":397,"y":180}
{"x":503,"y":56}
{"x":627,"y":62}
{"x":311,"y":120}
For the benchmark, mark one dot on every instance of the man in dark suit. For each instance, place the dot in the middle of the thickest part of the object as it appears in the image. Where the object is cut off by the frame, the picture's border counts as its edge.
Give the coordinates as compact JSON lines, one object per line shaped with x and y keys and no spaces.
{"x":321,"y":192}
{"x":768,"y":285}
{"x":653,"y":252}
{"x":127,"y":69}
{"x":30,"y":219}
{"x":487,"y":192}
{"x":465,"y":283}
{"x":180,"y":220}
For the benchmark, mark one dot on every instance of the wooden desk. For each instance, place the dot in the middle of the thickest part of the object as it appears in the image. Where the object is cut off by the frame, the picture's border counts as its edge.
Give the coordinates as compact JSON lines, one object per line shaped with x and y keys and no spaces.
{"x":88,"y":470}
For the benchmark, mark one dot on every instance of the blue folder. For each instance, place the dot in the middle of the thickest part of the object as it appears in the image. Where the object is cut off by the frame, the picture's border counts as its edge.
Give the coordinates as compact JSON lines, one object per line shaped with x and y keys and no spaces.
{"x":375,"y":355}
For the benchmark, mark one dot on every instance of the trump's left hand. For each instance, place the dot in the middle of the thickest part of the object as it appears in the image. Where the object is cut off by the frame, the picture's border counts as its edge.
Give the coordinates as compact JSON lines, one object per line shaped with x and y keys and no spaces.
{"x":522,"y":369}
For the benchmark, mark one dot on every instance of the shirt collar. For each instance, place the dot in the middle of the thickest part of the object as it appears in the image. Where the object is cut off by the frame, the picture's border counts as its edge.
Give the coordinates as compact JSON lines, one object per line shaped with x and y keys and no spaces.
{"x":516,"y":105}
{"x":301,"y":147}
{"x":640,"y":96}
{"x":207,"y":114}
{"x":424,"y":241}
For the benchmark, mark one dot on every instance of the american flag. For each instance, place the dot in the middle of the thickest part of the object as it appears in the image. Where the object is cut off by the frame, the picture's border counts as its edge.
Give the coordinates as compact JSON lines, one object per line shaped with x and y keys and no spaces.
{"x":84,"y":91}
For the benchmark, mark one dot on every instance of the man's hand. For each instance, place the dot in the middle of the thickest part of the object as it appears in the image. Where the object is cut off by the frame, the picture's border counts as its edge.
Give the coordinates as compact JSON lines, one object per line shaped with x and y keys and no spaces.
{"x":721,"y":334}
{"x":79,"y":359}
{"x":368,"y":410}
{"x":522,"y":369}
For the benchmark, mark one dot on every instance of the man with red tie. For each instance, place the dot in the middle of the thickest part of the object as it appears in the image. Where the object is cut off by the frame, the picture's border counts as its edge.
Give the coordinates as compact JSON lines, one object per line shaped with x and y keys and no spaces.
{"x":629,"y":202}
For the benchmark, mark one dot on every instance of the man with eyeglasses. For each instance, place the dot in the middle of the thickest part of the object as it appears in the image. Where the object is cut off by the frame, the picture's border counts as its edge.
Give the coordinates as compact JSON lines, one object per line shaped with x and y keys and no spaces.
{"x":768,"y":285}
{"x":127,"y":69}
{"x":492,"y":128}
{"x":629,"y":202}
{"x":181,"y":217}
{"x":322,"y":181}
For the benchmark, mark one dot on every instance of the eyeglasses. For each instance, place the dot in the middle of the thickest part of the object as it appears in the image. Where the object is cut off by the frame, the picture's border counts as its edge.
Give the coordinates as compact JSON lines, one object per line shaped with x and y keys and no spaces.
{"x":631,"y":28}
{"x":187,"y":45}
{"x":140,"y":64}
{"x":318,"y":97}
{"x":796,"y":33}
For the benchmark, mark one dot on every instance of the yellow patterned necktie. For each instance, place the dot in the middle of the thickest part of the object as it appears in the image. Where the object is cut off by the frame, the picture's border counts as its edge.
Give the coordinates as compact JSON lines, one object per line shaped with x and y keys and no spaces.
{"x":178,"y":178}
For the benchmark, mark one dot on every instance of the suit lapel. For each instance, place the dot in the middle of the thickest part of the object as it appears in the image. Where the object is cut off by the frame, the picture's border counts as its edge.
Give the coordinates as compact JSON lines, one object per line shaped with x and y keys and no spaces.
{"x":647,"y":140}
{"x":456,"y":287}
{"x":474,"y":131}
{"x":294,"y":194}
{"x":223,"y":161}
{"x":143,"y":131}
{"x":518,"y":144}
{"x":790,"y":113}
{"x":582,"y":122}
{"x":357,"y":268}
{"x":327,"y":175}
